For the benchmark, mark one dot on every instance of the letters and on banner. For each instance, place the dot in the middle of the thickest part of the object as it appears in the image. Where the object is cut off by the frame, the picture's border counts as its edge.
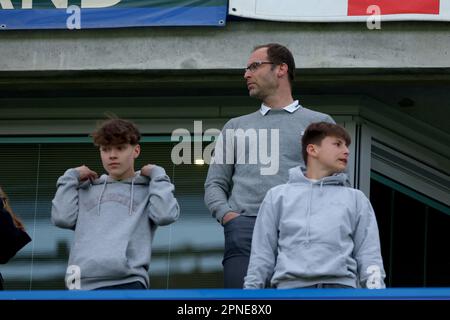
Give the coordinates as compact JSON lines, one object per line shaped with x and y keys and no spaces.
{"x":60,"y":14}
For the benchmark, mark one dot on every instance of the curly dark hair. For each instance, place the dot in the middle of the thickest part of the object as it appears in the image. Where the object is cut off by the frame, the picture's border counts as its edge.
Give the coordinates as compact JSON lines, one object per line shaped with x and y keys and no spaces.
{"x":115,"y":132}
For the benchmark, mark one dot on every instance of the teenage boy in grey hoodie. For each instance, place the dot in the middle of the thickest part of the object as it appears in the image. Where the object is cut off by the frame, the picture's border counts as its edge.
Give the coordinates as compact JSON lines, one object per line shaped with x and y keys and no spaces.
{"x":115,"y":216}
{"x":316,"y":231}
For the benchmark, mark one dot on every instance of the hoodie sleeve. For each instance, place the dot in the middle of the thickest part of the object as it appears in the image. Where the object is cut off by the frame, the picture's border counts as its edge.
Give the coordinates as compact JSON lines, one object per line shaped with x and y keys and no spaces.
{"x":264,"y":246}
{"x":163,"y":208}
{"x":65,"y":203}
{"x":218,"y":182}
{"x":367,"y":251}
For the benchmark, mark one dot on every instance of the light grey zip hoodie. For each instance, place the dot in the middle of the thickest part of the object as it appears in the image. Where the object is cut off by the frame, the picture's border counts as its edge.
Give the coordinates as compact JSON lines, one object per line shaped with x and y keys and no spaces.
{"x":114,"y":223}
{"x":314,"y":232}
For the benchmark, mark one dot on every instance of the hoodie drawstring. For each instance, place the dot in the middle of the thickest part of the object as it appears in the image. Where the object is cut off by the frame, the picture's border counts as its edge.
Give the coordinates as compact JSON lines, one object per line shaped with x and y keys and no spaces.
{"x":101,"y":195}
{"x":308,"y":216}
{"x":131,"y":197}
{"x":130,"y":211}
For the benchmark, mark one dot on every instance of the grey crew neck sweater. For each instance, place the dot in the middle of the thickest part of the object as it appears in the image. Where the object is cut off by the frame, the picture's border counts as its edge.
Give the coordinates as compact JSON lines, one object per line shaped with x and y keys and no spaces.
{"x":240,"y":185}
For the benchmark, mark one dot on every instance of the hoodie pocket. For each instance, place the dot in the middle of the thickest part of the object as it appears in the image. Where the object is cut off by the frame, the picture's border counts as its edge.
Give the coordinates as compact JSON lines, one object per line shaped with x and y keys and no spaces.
{"x":105,"y":259}
{"x":313,"y":259}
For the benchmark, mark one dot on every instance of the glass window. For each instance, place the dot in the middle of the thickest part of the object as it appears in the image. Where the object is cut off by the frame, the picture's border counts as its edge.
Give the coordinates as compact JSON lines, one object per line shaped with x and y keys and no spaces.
{"x":186,"y":254}
{"x":413,"y":233}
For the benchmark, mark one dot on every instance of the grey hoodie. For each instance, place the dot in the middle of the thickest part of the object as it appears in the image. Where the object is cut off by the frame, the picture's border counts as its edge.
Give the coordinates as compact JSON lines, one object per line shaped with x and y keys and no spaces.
{"x":113,"y":235}
{"x":315,"y":232}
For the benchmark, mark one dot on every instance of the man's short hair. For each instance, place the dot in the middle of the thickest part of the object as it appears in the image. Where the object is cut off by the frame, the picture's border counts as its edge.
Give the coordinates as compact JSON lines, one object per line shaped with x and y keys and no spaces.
{"x":115,"y":132}
{"x":316,"y":132}
{"x":279,"y":54}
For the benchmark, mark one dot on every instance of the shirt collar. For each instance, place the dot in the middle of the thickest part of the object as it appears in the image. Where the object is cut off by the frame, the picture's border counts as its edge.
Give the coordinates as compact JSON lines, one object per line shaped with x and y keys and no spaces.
{"x":290,"y":108}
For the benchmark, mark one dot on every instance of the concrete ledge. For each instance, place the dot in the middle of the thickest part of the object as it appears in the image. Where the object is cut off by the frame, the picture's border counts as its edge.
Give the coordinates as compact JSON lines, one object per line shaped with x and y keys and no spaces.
{"x":334,"y":45}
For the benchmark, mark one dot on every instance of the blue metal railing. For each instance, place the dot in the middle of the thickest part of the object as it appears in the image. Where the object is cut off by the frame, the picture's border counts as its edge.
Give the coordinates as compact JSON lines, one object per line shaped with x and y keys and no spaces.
{"x":235,"y":294}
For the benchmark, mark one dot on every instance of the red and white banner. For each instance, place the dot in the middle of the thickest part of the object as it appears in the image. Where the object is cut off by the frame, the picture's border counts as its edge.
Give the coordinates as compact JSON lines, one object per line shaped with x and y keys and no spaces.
{"x":340,"y":10}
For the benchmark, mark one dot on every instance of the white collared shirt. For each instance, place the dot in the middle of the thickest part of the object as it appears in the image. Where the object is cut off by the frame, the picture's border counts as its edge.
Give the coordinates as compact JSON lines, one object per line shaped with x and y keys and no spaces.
{"x":290,"y":108}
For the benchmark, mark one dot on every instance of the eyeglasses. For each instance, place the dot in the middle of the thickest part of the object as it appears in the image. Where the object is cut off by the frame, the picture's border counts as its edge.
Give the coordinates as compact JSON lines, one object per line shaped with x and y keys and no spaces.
{"x":252,"y":67}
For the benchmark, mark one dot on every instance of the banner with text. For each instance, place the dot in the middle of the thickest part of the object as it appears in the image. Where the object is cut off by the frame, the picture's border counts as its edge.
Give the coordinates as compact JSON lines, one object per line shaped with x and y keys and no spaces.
{"x":85,"y":14}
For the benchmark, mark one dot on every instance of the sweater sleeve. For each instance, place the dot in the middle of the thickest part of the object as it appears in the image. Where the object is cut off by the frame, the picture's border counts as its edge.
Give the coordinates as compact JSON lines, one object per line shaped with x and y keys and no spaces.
{"x":264,"y":246}
{"x":163,"y":208}
{"x":327,"y":118}
{"x":218,"y":182}
{"x":367,"y":251}
{"x":65,"y":203}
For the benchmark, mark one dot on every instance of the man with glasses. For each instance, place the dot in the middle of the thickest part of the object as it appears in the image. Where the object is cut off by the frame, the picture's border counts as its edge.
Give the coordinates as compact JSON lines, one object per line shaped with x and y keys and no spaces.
{"x":234,"y":190}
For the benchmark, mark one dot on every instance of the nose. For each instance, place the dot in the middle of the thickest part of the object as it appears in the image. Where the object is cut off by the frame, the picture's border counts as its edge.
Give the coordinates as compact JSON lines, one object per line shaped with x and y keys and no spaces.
{"x":112,"y":154}
{"x":346,"y":150}
{"x":247,"y":74}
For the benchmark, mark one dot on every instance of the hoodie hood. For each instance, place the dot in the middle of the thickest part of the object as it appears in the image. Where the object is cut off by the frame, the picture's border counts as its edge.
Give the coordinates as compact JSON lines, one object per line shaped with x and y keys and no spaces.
{"x":297,"y":175}
{"x":105,"y":179}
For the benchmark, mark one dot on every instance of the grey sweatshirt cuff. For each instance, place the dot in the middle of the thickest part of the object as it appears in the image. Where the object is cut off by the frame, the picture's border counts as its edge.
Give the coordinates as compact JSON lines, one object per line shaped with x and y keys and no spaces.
{"x":73,"y":173}
{"x":157,"y":171}
{"x":221,"y":212}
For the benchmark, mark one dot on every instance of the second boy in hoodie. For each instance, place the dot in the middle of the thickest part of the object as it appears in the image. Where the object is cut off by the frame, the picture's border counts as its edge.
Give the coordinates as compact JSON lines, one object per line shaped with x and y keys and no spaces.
{"x":115,"y":216}
{"x":316,"y":231}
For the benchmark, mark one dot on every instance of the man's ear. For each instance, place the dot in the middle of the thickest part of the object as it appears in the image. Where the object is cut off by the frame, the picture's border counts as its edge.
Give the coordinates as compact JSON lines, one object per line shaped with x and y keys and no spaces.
{"x":283,"y":70}
{"x":137,"y":151}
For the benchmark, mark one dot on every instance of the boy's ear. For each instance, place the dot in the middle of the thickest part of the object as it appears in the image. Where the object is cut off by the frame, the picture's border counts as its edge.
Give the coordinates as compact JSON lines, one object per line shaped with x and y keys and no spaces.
{"x":311,"y":149}
{"x":137,"y":151}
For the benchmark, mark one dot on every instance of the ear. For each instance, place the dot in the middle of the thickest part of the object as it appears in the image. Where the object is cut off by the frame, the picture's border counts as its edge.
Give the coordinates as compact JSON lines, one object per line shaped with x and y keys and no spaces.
{"x":137,"y":151}
{"x":312,"y":150}
{"x":283,"y":70}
